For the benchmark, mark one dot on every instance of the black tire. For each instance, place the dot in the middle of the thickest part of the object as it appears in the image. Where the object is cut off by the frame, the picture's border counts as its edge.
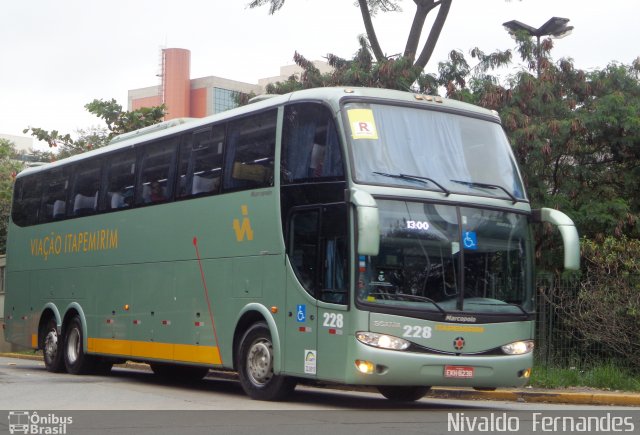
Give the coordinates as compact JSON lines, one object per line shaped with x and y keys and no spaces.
{"x":52,"y":344}
{"x":171,"y":372}
{"x":403,"y":394}
{"x":255,"y":366}
{"x":76,"y":360}
{"x":102,"y":367}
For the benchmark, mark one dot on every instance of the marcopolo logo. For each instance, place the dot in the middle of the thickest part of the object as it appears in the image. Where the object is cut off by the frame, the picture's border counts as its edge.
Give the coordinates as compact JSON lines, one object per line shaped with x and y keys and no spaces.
{"x":32,"y":423}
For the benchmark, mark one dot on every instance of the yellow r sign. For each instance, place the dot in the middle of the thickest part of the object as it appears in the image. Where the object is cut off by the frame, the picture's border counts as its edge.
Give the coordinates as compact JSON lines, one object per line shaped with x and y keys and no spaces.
{"x":244,"y":229}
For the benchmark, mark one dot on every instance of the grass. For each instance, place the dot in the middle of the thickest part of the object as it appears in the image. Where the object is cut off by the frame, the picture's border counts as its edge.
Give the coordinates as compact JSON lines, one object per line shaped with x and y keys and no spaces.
{"x":607,"y":376}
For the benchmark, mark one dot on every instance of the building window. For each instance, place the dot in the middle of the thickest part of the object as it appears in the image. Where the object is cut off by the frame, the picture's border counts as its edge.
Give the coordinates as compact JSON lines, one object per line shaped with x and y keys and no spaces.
{"x":223,"y":99}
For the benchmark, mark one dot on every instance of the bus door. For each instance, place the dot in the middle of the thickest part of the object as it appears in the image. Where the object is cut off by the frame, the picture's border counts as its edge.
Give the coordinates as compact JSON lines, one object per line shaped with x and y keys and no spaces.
{"x":300,"y":337}
{"x":316,"y":291}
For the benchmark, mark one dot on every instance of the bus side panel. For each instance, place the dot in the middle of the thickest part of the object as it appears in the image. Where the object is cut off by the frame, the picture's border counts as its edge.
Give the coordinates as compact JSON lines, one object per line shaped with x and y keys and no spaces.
{"x":17,"y":312}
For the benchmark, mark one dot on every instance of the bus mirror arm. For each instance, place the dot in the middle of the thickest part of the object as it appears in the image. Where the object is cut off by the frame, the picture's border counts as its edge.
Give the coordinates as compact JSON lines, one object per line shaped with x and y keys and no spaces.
{"x":367,"y":220}
{"x":568,"y":232}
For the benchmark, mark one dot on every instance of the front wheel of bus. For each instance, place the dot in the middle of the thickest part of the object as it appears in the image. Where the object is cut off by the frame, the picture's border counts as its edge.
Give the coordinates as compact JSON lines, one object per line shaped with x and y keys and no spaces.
{"x":52,"y":348}
{"x":403,"y":394}
{"x":75,"y":358}
{"x":255,"y":366}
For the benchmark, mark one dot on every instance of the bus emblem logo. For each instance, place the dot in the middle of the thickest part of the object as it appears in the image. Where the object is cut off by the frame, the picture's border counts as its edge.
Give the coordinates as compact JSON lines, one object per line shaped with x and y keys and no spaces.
{"x":458,"y":343}
{"x":243,"y":230}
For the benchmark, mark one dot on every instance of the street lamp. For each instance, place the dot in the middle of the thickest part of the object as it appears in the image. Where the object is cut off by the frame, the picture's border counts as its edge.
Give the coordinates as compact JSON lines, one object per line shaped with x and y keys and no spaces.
{"x":556,"y":27}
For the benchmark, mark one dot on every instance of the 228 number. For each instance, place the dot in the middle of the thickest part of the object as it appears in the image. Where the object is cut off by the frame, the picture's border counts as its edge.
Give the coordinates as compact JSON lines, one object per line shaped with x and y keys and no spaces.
{"x":412,"y":331}
{"x":333,"y":320}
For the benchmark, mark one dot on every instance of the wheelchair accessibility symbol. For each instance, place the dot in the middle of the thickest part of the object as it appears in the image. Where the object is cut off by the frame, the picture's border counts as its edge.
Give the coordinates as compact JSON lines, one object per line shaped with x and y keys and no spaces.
{"x":470,"y":240}
{"x":301,"y":313}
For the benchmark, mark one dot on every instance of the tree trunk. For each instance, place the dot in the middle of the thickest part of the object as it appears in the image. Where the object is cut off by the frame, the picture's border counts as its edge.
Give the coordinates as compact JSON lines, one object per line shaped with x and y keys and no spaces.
{"x":371,"y":32}
{"x":434,"y":34}
{"x":423,"y":7}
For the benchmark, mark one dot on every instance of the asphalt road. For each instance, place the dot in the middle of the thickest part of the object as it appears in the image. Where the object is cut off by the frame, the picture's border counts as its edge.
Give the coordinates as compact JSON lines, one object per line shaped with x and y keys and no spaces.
{"x":135,"y":401}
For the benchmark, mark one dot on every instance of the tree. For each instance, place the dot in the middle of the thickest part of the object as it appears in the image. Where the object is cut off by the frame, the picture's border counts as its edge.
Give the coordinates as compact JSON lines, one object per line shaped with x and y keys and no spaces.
{"x":413,"y":60}
{"x":117,"y":120}
{"x":9,"y":167}
{"x":362,"y":70}
{"x":575,"y":134}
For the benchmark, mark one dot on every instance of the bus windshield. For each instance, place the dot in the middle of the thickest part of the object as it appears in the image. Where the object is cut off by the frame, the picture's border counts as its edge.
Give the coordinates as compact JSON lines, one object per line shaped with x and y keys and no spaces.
{"x":443,"y":258}
{"x":420,"y":148}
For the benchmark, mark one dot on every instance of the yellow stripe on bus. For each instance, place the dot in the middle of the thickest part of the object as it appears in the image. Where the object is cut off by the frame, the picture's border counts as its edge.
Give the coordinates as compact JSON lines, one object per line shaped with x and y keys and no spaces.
{"x":164,"y":351}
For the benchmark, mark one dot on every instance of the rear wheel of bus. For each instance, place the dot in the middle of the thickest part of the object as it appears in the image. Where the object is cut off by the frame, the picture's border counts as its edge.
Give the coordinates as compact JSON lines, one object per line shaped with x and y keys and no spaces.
{"x":403,"y":394}
{"x":76,"y":360}
{"x":255,"y":366}
{"x":52,"y":347}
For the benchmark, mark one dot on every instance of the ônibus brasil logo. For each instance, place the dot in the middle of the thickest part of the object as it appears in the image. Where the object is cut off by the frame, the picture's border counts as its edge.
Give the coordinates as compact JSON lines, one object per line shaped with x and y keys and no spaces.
{"x":27,"y":422}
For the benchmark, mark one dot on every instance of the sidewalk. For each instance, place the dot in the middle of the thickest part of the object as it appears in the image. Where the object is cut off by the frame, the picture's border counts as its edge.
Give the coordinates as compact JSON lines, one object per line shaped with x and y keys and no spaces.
{"x":576,"y":396}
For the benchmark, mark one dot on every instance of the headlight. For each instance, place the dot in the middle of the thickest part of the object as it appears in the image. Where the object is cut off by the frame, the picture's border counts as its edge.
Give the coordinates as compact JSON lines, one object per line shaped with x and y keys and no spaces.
{"x":382,"y":340}
{"x":518,"y":347}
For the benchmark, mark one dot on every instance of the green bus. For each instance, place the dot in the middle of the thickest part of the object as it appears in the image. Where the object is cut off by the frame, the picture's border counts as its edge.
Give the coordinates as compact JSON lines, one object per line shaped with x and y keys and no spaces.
{"x":344,"y":235}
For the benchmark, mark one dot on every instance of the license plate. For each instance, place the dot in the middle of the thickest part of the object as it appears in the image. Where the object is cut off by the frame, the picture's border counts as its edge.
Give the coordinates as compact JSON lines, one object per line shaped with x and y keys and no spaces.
{"x":458,"y":372}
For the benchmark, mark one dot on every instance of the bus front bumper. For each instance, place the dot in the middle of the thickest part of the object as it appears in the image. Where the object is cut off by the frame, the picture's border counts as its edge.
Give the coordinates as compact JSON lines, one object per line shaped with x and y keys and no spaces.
{"x":368,"y":365}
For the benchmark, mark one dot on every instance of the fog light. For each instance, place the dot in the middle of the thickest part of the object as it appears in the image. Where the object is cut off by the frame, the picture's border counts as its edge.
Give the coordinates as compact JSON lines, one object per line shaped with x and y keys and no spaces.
{"x":525,"y":373}
{"x":365,"y":367}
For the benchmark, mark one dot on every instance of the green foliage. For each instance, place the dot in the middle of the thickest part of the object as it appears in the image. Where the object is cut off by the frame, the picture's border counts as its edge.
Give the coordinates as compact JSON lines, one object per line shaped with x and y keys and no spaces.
{"x":9,"y":167}
{"x":607,"y":376}
{"x":603,"y":313}
{"x":117,"y":120}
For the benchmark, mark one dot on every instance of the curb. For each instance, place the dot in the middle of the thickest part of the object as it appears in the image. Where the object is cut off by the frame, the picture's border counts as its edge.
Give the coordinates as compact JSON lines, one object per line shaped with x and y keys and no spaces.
{"x":541,"y":396}
{"x":509,"y":395}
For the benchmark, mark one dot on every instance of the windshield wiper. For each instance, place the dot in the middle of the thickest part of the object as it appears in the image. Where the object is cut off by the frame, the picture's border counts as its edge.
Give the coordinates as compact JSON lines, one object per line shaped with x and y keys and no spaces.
{"x":410,"y":296}
{"x":487,"y":186}
{"x":415,"y":178}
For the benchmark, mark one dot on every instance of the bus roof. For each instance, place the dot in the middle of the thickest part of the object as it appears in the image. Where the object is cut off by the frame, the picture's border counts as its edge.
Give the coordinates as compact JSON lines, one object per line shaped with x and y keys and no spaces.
{"x":333,"y":95}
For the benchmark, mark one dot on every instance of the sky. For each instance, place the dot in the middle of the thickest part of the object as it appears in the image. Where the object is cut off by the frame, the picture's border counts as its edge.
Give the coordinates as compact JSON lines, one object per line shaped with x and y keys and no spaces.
{"x":59,"y":55}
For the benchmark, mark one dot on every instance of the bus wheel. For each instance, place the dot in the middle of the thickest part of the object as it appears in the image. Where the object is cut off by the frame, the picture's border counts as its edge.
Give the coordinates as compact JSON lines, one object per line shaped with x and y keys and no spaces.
{"x":173,"y":372}
{"x":255,"y":366}
{"x":52,"y":348}
{"x":75,"y":359}
{"x":403,"y":394}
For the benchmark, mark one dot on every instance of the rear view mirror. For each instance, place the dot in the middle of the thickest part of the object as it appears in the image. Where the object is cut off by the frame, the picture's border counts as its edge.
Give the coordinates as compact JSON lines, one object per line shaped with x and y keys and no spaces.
{"x":368,"y":222}
{"x":568,"y":232}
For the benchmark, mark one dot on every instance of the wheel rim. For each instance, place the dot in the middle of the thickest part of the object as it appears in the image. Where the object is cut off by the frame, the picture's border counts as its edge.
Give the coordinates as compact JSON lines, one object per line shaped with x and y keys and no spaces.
{"x":260,"y":362}
{"x":51,"y":345}
{"x":73,"y":345}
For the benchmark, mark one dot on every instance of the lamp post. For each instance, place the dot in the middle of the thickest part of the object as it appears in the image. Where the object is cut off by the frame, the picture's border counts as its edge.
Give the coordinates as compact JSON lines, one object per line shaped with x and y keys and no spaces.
{"x":556,"y":27}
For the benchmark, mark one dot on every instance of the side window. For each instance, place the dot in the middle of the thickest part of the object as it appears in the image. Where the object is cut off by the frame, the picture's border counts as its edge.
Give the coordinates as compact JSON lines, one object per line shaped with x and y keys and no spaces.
{"x":200,"y":169}
{"x":310,"y":146}
{"x":318,"y":251}
{"x":250,"y":152}
{"x":26,"y":200}
{"x":121,"y":179}
{"x":54,"y":204}
{"x":86,"y":186}
{"x":156,"y":171}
